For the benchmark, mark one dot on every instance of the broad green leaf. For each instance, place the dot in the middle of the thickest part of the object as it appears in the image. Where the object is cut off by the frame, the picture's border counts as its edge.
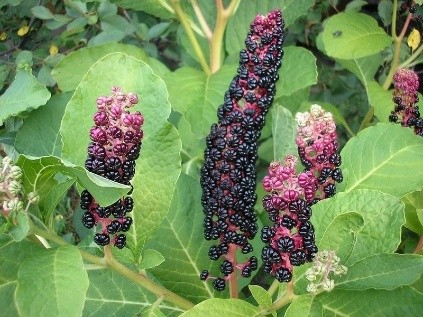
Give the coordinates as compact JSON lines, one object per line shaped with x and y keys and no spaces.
{"x":159,"y":165}
{"x":414,"y":211}
{"x":384,"y":9}
{"x":21,"y":229}
{"x":382,"y":271}
{"x":71,"y":69}
{"x":110,"y":294}
{"x":341,"y":234}
{"x":284,"y":130}
{"x":50,"y":200}
{"x":369,"y":213}
{"x":261,"y":296}
{"x":355,"y":5}
{"x":353,"y":35}
{"x":364,"y":68}
{"x":372,"y":160}
{"x":197,"y":96}
{"x":239,"y":23}
{"x":52,"y":284}
{"x":294,"y":102}
{"x":7,"y":299}
{"x":41,"y":12}
{"x":39,"y":135}
{"x":180,"y":240}
{"x":12,"y":255}
{"x":153,"y":7}
{"x":381,"y":100}
{"x":40,"y":174}
{"x":404,"y":301}
{"x":151,"y":258}
{"x":292,"y":77}
{"x":216,"y":307}
{"x":23,"y":94}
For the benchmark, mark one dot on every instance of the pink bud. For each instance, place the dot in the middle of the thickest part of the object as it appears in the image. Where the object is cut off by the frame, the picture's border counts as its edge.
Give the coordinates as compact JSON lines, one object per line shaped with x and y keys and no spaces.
{"x":98,"y":135}
{"x":101,"y":118}
{"x":290,"y":195}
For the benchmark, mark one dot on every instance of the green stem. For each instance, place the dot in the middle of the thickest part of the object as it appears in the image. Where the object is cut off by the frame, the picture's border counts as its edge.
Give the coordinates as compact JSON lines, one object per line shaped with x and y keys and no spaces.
{"x":367,"y":119}
{"x":273,"y":288}
{"x":397,"y":51}
{"x":203,"y":23}
{"x":412,"y":58}
{"x":216,"y":42}
{"x":287,"y":298}
{"x":110,"y":262}
{"x":191,"y":36}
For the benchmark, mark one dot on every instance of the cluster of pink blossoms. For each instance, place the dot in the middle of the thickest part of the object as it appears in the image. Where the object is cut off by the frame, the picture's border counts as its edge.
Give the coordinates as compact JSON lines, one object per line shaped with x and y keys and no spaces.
{"x":405,"y":97}
{"x":290,"y":240}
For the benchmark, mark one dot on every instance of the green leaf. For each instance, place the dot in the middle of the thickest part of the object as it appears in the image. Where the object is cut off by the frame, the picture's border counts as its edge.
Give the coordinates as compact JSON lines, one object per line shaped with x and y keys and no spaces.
{"x":414,"y":211}
{"x":202,"y":95}
{"x":21,"y":229}
{"x":180,"y":240}
{"x":39,"y":134}
{"x":382,"y":271}
{"x":353,"y":35}
{"x":404,"y":301}
{"x":261,"y":296}
{"x":50,"y":200}
{"x":381,"y":100}
{"x":24,"y":93}
{"x":384,"y":9}
{"x":159,"y":165}
{"x":152,"y":7}
{"x":355,"y":5}
{"x":372,"y":159}
{"x":52,"y":284}
{"x":364,"y":68}
{"x":284,"y":130}
{"x":110,"y":294}
{"x":151,"y":258}
{"x":40,"y":174}
{"x":7,"y":300}
{"x":367,"y":213}
{"x":239,"y":23}
{"x":71,"y":69}
{"x":216,"y":307}
{"x":292,"y":77}
{"x":41,"y":12}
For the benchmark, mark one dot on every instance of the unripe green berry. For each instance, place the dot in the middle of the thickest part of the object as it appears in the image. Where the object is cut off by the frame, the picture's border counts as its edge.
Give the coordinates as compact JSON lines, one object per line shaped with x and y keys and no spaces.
{"x":312,"y":288}
{"x":33,"y":198}
{"x":15,"y":187}
{"x":16,"y":172}
{"x":328,"y":285}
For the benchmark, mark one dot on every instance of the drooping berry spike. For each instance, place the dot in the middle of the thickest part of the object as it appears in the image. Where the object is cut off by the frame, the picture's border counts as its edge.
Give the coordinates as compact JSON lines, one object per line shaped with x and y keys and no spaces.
{"x":228,"y":177}
{"x":317,"y":143}
{"x":290,"y":240}
{"x":115,"y":145}
{"x":406,"y":111}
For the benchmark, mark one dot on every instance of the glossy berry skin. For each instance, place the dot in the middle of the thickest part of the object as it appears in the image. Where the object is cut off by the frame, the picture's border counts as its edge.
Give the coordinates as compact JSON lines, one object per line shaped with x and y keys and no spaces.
{"x":115,"y":145}
{"x":406,"y":112}
{"x":228,"y":176}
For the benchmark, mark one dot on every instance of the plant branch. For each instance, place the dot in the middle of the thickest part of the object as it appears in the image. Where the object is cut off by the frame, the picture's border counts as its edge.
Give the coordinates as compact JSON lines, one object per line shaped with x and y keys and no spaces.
{"x":412,"y":58}
{"x":203,"y":23}
{"x":273,"y":288}
{"x":216,"y":42}
{"x":287,"y":298}
{"x":191,"y":36}
{"x":110,"y":262}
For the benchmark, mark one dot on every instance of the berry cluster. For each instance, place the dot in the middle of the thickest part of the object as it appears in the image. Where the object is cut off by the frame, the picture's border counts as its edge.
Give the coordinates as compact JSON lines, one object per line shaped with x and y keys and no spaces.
{"x":407,"y":5}
{"x":317,"y":143}
{"x":291,"y":238}
{"x":116,"y":143}
{"x":228,"y":176}
{"x":406,"y":111}
{"x":10,"y":187}
{"x":325,"y":263}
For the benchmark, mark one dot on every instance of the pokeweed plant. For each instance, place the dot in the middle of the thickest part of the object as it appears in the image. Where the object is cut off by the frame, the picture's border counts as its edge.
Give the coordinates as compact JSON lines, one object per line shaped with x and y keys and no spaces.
{"x":241,"y":145}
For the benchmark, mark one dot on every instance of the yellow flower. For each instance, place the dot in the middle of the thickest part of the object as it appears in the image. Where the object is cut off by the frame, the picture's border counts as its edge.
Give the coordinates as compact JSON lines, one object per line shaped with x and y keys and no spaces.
{"x":23,"y":30}
{"x":3,"y":36}
{"x":414,"y":39}
{"x":53,"y":49}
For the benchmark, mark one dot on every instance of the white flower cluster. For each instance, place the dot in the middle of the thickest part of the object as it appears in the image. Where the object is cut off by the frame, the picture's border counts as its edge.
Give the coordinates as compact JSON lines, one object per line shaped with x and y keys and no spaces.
{"x":11,"y":190}
{"x":325,"y":263}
